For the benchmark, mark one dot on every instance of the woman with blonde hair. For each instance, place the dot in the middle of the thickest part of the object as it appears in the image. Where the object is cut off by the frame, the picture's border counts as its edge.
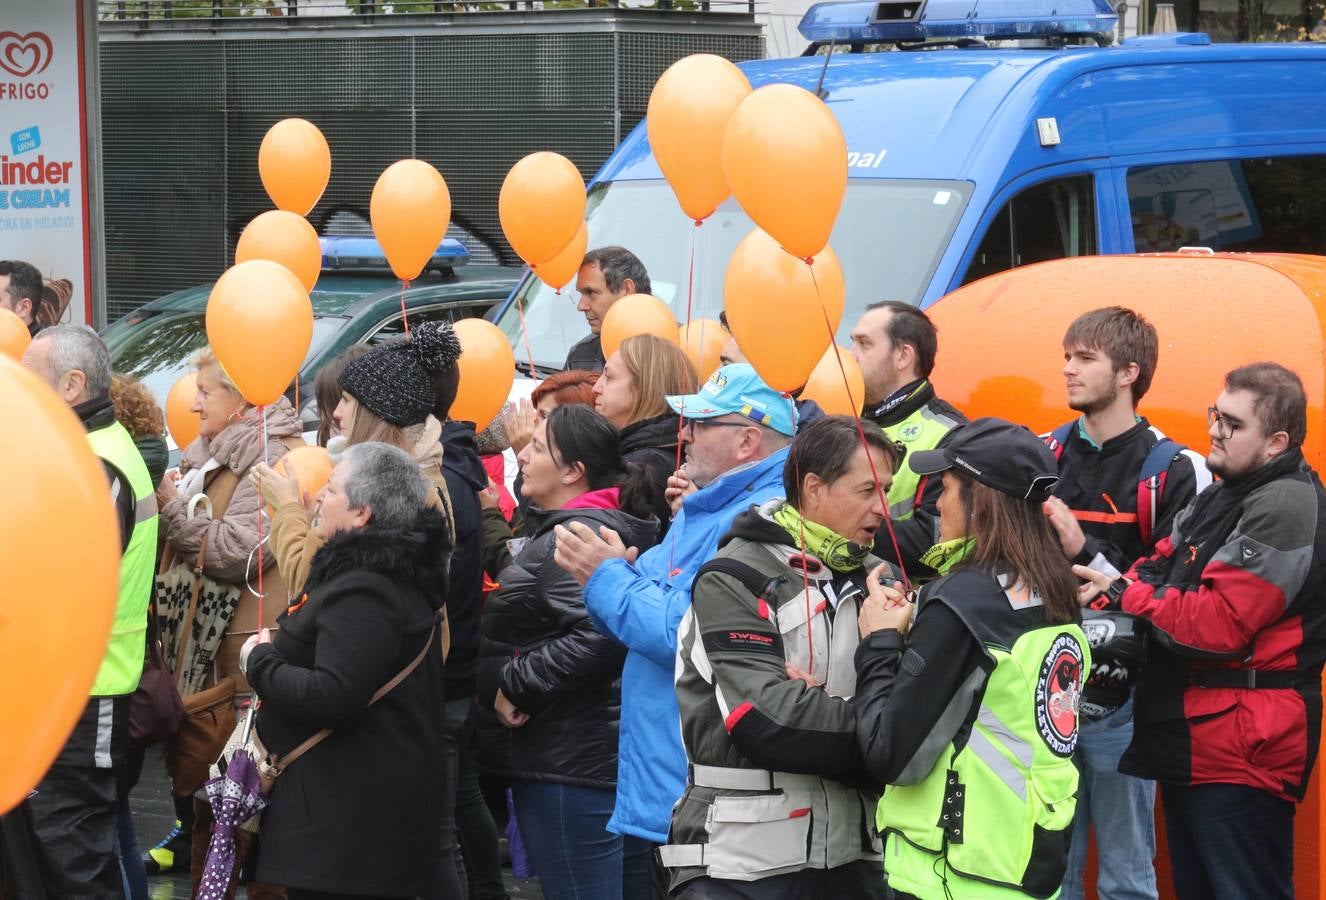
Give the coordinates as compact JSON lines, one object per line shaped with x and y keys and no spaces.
{"x":209,"y":515}
{"x":632,"y":394}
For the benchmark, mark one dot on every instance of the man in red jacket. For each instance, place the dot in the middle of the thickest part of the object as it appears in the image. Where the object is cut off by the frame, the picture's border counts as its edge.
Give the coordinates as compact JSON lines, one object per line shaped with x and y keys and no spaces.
{"x":1228,"y":711}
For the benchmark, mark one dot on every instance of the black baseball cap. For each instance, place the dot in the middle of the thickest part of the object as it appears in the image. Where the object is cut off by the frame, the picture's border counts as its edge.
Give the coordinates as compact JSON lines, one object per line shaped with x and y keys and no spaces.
{"x":997,"y":453}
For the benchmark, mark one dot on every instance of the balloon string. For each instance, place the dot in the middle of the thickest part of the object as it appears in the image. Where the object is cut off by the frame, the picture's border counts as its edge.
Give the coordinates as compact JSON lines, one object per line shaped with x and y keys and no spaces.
{"x":681,"y":416}
{"x":690,"y":293}
{"x":405,"y":285}
{"x":805,"y":576}
{"x":262,"y":417}
{"x":879,"y":488}
{"x":524,"y":334}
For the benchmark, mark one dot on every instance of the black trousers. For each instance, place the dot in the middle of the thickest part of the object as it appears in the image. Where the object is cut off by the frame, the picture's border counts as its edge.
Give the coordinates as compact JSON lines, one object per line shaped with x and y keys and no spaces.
{"x":74,"y":808}
{"x":1228,"y":842}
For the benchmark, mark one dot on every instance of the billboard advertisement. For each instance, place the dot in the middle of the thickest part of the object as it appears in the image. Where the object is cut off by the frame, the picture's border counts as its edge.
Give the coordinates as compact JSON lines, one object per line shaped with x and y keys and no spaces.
{"x":45,"y":206}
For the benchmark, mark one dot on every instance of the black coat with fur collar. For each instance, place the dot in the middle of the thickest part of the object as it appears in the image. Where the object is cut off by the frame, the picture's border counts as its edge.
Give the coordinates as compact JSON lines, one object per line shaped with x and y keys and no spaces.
{"x":362,"y":811}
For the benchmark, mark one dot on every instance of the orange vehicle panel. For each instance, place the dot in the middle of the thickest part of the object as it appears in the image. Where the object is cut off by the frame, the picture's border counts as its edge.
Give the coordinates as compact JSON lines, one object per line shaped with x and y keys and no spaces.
{"x":1000,"y":342}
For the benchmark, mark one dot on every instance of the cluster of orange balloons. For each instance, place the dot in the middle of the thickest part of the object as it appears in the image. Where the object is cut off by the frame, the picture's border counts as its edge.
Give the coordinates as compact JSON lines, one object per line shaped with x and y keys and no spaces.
{"x":294,"y":163}
{"x":542,"y":210}
{"x":259,"y":318}
{"x":55,"y":617}
{"x":781,"y":153}
{"x":687,"y":117}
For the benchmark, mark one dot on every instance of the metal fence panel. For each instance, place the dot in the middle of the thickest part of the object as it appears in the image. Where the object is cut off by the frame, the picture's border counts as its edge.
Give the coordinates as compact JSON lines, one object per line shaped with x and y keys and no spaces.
{"x":185,"y":112}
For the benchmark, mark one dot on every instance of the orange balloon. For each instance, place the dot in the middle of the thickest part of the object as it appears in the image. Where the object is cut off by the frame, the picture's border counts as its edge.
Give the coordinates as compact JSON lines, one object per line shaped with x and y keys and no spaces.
{"x":542,"y":205}
{"x":785,"y":157}
{"x":688,"y":110}
{"x":180,"y":419}
{"x":637,"y":314}
{"x":1037,"y":303}
{"x":410,"y":210}
{"x":259,"y":323}
{"x":487,"y":371}
{"x":285,"y":238}
{"x":561,"y":270}
{"x":777,"y":308}
{"x":14,"y":336}
{"x":703,"y":341}
{"x":311,"y":466}
{"x":294,"y":163}
{"x":838,"y":391}
{"x":56,"y":498}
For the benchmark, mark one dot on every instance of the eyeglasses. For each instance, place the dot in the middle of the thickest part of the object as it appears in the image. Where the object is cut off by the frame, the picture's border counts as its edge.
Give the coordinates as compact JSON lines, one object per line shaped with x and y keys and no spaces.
{"x":1223,"y":424}
{"x":692,"y":424}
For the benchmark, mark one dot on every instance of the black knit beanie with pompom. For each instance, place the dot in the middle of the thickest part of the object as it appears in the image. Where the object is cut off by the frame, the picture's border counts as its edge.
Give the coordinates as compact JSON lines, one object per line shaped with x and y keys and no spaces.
{"x":397,"y":381}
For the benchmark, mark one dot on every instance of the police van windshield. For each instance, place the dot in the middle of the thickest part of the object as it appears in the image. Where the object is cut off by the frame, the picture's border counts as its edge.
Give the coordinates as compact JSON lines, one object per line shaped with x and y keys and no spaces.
{"x":889,"y":237}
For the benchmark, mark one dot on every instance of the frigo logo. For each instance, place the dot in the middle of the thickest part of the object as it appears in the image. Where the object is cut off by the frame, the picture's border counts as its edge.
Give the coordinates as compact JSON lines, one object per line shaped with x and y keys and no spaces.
{"x":22,"y":55}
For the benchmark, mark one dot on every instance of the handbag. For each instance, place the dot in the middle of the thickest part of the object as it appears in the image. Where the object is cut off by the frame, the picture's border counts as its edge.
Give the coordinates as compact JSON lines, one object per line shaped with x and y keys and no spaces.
{"x":155,"y":708}
{"x":209,"y":715}
{"x":270,"y":766}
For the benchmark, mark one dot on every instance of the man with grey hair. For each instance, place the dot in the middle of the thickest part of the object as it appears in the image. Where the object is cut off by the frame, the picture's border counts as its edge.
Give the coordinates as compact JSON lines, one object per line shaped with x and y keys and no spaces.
{"x":73,"y":810}
{"x":606,"y":275}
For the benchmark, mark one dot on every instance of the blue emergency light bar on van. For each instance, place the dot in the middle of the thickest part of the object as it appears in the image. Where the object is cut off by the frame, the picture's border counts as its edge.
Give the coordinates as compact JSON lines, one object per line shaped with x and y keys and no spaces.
{"x":365,"y":253}
{"x":882,"y":21}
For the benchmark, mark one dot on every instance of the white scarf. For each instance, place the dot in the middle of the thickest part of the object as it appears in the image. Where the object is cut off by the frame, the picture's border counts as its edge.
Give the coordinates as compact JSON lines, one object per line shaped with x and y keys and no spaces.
{"x":191,"y":482}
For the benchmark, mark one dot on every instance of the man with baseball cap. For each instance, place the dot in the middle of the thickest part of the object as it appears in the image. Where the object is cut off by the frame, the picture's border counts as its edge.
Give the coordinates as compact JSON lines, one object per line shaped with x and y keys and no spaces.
{"x":736,"y":435}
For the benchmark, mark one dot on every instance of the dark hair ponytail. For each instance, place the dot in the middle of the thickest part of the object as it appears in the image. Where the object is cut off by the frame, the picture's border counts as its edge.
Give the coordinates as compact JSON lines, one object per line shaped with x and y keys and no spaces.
{"x":579,"y":434}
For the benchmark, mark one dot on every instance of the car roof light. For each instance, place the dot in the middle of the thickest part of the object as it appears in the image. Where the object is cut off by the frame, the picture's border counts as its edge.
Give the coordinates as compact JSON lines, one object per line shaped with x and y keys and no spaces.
{"x":366,"y":254}
{"x":880,"y":21}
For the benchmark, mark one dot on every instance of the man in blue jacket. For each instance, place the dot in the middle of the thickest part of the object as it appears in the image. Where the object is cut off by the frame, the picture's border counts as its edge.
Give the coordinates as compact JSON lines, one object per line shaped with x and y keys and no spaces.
{"x":736,"y":437}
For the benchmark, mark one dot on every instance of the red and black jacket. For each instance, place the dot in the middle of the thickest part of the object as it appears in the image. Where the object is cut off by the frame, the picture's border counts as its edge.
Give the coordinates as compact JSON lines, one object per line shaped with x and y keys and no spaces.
{"x":1236,"y":596}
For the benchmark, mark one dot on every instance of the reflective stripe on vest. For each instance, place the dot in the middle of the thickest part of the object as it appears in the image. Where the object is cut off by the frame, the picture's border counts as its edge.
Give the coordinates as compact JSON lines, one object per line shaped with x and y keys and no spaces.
{"x":970,"y":826}
{"x":922,"y":430}
{"x":123,"y":663}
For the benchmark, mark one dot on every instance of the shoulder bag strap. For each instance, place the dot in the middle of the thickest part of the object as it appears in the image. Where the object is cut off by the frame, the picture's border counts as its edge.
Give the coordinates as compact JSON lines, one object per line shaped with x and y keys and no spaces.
{"x":285,"y":761}
{"x":186,"y":624}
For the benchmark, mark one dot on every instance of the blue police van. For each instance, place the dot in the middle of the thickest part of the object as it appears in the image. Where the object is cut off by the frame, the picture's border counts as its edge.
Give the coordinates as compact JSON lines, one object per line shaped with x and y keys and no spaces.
{"x":988,"y":135}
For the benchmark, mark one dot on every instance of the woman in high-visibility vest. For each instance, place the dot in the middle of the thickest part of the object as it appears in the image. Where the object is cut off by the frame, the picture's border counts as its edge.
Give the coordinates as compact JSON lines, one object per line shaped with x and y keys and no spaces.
{"x":971,"y":718}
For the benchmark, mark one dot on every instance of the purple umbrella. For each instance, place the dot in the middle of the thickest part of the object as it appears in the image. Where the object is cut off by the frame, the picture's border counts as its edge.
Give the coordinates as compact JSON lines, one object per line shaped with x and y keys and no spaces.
{"x":235,"y":797}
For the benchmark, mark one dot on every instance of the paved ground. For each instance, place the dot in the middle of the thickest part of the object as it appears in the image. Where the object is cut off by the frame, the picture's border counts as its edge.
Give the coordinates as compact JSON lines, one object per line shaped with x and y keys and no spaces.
{"x":154,"y":815}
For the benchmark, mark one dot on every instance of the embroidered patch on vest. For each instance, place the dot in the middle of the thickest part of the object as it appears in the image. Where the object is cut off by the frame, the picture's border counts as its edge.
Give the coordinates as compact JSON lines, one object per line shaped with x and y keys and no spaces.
{"x":743,"y":641}
{"x":913,"y":663}
{"x":1059,"y":694}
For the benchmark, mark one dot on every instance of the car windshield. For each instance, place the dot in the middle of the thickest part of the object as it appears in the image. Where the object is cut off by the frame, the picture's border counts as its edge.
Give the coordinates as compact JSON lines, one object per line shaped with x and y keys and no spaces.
{"x":159,"y":352}
{"x":889,"y":237}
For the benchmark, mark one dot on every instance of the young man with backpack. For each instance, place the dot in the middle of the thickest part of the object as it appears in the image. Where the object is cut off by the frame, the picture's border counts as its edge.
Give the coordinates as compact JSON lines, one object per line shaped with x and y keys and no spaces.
{"x":1121,"y":482}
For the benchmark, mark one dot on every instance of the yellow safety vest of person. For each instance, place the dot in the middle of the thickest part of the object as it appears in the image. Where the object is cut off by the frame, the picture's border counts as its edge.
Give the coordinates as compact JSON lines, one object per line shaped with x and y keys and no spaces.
{"x":123,"y":663}
{"x":993,"y":819}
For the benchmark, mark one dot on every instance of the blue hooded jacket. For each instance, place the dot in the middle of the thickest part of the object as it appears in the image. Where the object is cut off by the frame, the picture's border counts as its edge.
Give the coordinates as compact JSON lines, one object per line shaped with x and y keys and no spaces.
{"x":642,"y":606}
